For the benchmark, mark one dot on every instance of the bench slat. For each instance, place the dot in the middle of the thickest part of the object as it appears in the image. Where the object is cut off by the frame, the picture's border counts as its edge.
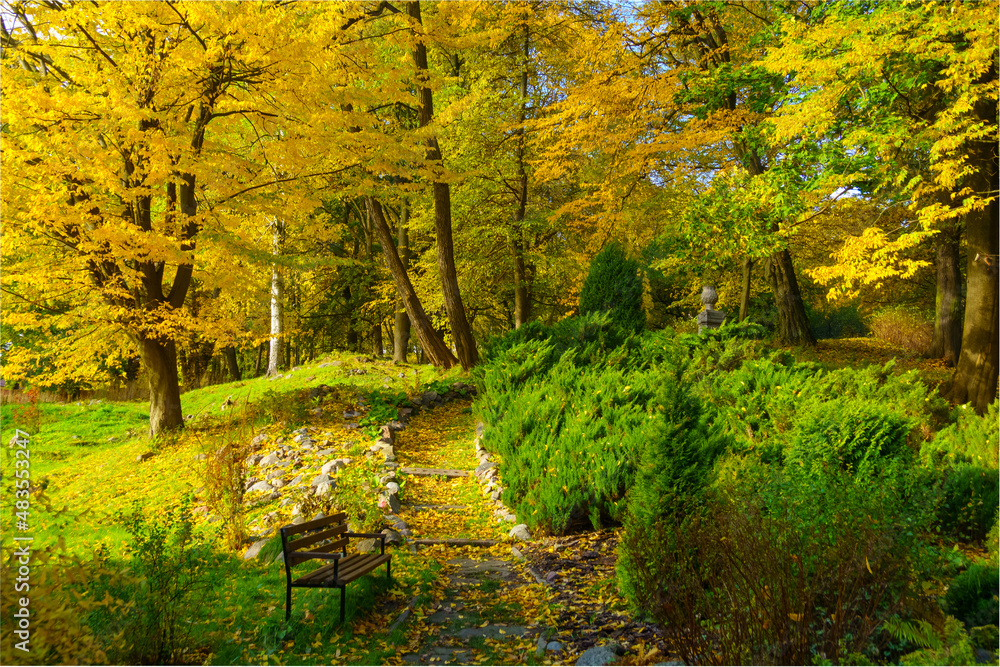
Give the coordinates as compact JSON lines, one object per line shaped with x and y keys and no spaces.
{"x":295,"y":545}
{"x":349,"y":569}
{"x":359,"y":566}
{"x":295,"y":529}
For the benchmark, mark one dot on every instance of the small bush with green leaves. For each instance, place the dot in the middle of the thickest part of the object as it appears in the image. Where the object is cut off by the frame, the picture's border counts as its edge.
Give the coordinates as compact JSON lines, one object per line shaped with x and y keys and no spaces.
{"x":972,"y":596}
{"x":965,"y":456}
{"x":792,"y":571}
{"x":614,"y":285}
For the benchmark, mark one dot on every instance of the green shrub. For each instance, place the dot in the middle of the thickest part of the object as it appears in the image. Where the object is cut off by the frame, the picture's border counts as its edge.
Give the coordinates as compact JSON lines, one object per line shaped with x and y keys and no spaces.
{"x":791,"y":572}
{"x":965,"y":456}
{"x":865,"y":440}
{"x":169,"y":563}
{"x":614,"y":285}
{"x":972,"y":596}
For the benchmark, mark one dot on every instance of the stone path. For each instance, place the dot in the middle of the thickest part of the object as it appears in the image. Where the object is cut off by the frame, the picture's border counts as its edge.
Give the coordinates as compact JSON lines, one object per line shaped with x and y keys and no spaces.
{"x":454,"y":523}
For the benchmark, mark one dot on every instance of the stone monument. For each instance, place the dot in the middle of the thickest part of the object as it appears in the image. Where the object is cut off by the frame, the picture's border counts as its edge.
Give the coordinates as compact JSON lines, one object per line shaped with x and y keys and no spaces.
{"x":710,"y":318}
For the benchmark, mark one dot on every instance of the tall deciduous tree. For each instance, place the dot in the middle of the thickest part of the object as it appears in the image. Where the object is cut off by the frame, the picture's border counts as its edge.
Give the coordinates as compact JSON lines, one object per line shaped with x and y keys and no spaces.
{"x":109,"y":113}
{"x":465,"y":344}
{"x":892,"y":80}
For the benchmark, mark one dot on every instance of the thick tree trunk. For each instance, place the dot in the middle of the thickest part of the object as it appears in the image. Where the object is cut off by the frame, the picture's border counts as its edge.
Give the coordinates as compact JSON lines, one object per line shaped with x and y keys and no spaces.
{"x":401,"y":328}
{"x":232,"y":363}
{"x":465,"y":344}
{"x":793,"y":325}
{"x":947,"y":343}
{"x":975,"y":378}
{"x":160,"y":360}
{"x":432,"y":345}
{"x":745,"y":292}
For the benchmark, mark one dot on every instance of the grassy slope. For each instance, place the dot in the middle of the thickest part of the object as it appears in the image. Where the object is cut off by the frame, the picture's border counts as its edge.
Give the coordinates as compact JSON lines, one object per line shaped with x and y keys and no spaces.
{"x":88,"y":482}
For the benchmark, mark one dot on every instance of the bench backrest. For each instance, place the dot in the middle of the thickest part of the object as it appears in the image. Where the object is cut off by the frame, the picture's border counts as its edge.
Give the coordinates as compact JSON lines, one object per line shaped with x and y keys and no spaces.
{"x":333,"y":528}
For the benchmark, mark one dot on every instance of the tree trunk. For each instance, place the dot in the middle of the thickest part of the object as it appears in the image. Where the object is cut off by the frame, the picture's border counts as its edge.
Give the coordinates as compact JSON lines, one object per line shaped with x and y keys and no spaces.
{"x":160,"y":360}
{"x":232,"y":363}
{"x":745,"y":292}
{"x":947,"y":343}
{"x":468,"y":355}
{"x":401,"y":328}
{"x":433,"y":346}
{"x":793,"y":325}
{"x":975,"y":378}
{"x":275,"y":359}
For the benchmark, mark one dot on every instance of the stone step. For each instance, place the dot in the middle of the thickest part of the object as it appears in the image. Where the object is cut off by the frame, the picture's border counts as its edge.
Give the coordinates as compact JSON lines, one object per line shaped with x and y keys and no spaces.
{"x":454,"y":541}
{"x":433,"y":508}
{"x":432,"y":472}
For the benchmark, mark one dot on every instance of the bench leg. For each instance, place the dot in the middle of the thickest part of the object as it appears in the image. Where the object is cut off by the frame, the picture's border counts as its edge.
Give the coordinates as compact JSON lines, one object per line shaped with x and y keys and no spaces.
{"x":288,"y":604}
{"x":343,"y":602}
{"x":388,"y":570}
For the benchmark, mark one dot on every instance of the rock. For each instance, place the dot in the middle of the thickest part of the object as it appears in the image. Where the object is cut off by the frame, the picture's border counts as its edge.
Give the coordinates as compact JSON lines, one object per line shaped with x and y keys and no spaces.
{"x":392,"y":536}
{"x":144,"y":457}
{"x":321,"y":478}
{"x":333,"y":466}
{"x":480,"y":429}
{"x":391,"y":501}
{"x":113,"y":438}
{"x":540,"y":647}
{"x":254,"y":549}
{"x":302,"y":438}
{"x":554,"y":646}
{"x":274,"y":474}
{"x":510,"y":517}
{"x":598,"y":655}
{"x":351,"y":426}
{"x":268,"y":460}
{"x":295,"y":480}
{"x":392,"y":488}
{"x":228,"y":403}
{"x":483,"y":467}
{"x":297,"y":520}
{"x":520,"y":532}
{"x":297,"y":510}
{"x":323,"y":489}
{"x":366,"y":545}
{"x":325,"y":452}
{"x":278,"y":483}
{"x":261,"y":486}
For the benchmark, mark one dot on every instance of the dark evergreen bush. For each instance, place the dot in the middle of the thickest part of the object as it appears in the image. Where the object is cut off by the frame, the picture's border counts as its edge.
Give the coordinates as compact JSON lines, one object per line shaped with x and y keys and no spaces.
{"x":965,"y":456}
{"x":972,"y":596}
{"x":614,"y":285}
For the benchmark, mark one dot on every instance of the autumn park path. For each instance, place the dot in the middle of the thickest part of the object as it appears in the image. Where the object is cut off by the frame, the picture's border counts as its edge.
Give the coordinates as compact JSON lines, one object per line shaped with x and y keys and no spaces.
{"x":485,"y":606}
{"x":543,"y":602}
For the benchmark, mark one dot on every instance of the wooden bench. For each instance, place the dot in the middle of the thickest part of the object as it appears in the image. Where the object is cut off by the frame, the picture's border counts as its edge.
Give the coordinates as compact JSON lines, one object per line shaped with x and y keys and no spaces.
{"x":326,"y":539}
